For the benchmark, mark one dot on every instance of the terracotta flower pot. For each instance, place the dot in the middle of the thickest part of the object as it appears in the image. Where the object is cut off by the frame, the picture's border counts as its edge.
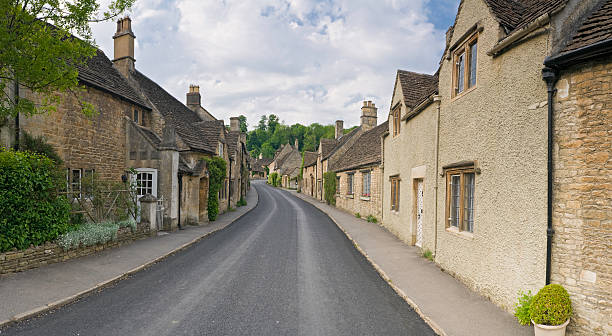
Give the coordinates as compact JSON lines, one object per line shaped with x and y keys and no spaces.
{"x":546,"y":330}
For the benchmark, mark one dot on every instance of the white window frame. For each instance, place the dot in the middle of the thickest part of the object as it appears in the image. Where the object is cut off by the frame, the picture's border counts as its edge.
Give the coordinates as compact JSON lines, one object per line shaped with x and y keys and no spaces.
{"x":152,"y":171}
{"x":366,"y":184}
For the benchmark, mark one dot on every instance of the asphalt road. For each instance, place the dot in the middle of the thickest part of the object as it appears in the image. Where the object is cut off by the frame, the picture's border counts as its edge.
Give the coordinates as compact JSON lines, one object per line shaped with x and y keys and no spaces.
{"x":283,"y":269}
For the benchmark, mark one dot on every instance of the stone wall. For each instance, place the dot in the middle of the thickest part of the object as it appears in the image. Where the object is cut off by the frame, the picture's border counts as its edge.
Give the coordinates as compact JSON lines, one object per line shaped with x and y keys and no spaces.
{"x":582,"y":199}
{"x":51,"y":253}
{"x":356,"y":203}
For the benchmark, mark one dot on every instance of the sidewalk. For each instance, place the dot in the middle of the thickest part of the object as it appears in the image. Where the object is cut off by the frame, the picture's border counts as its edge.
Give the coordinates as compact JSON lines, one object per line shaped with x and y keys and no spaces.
{"x":31,"y":292}
{"x":441,"y":300}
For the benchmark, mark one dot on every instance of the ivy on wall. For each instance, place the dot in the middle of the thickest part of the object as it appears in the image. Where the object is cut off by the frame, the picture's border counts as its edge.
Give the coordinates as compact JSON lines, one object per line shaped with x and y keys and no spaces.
{"x":329,"y":187}
{"x":216,"y":175}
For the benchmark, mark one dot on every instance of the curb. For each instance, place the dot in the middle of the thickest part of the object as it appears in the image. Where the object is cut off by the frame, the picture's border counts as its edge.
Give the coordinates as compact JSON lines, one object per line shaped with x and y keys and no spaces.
{"x":62,"y":302}
{"x":436,"y":328}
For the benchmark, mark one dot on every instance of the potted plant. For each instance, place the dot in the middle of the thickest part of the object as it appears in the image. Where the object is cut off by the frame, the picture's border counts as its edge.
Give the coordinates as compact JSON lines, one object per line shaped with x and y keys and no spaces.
{"x":550,"y":311}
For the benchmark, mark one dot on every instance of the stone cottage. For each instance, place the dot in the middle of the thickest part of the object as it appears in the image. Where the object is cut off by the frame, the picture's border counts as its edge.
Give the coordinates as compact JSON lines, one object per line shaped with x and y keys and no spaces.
{"x":238,"y":156}
{"x":309,"y":172}
{"x":287,"y":163}
{"x":474,"y":168}
{"x":358,"y":174}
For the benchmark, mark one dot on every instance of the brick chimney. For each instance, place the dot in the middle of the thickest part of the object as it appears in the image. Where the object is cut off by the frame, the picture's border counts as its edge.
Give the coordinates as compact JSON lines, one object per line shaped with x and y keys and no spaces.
{"x":369,"y":114}
{"x":235,"y":124}
{"x":124,"y":47}
{"x":339,"y":128}
{"x":194,"y":100}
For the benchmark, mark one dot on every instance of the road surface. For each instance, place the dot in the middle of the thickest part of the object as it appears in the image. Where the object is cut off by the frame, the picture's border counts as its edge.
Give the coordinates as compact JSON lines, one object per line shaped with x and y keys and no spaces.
{"x":282,"y":269}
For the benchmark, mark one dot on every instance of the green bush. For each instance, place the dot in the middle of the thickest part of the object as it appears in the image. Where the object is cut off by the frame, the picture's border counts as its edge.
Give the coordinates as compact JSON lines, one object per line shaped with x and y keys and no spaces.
{"x":216,"y":175}
{"x":329,"y":187}
{"x":427,"y":254}
{"x":521,"y":309}
{"x":551,"y":306}
{"x":31,"y":211}
{"x":371,"y":219}
{"x":241,"y":202}
{"x":357,"y":215}
{"x":38,"y":145}
{"x":274,"y":180}
{"x":91,"y":234}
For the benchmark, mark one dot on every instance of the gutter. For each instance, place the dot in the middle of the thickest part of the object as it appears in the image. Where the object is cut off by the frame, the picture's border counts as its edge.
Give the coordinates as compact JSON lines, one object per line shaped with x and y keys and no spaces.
{"x":568,"y":58}
{"x":420,"y":107}
{"x":519,"y":34}
{"x":549,"y":75}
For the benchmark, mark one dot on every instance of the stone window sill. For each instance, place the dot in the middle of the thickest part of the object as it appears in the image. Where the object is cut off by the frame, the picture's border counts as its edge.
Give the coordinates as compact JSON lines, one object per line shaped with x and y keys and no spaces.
{"x":365,"y":198}
{"x":461,"y":234}
{"x":350,"y":196}
{"x":395,"y":212}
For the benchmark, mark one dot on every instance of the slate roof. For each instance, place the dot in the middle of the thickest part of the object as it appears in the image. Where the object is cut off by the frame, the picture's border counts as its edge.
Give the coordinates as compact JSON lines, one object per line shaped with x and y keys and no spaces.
{"x":327,"y":146}
{"x":365,"y":151}
{"x":187,"y":123}
{"x":100,"y":73}
{"x":342,"y":140}
{"x":516,"y":14}
{"x":596,"y":28}
{"x":283,"y":156}
{"x":310,"y":158}
{"x":416,"y":87}
{"x":152,"y":137}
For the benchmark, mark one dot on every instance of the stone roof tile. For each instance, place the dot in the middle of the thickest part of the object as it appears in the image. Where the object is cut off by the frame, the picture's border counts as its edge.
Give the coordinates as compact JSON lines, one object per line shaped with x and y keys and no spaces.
{"x":596,"y":28}
{"x":365,"y":151}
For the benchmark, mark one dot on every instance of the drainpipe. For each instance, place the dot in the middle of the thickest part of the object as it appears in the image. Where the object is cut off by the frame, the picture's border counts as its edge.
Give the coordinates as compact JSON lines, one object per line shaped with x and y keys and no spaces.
{"x":437,"y":100}
{"x":549,"y":75}
{"x":180,"y":187}
{"x":17,"y":130}
{"x":229,"y":185}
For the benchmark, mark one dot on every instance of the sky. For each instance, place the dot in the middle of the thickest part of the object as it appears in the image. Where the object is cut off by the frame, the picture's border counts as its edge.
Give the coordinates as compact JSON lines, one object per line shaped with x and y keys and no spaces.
{"x":304,"y":60}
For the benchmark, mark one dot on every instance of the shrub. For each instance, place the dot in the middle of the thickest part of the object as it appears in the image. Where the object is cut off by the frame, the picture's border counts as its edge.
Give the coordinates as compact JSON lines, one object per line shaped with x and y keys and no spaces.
{"x":31,"y":210}
{"x":521,"y":308}
{"x":241,"y":202}
{"x":551,"y":306}
{"x":274,"y":179}
{"x":371,"y":219}
{"x":357,"y":214}
{"x":216,"y":174}
{"x":39,"y":145}
{"x":329,"y":187}
{"x":427,"y":254}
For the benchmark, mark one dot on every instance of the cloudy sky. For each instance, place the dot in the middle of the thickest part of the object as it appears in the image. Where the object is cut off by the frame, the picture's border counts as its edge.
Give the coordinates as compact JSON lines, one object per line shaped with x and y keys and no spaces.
{"x":303,"y":60}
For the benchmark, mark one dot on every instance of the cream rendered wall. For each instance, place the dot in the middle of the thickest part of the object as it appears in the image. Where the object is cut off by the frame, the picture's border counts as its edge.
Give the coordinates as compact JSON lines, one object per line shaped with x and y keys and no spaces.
{"x":494,"y":125}
{"x":412,"y":155}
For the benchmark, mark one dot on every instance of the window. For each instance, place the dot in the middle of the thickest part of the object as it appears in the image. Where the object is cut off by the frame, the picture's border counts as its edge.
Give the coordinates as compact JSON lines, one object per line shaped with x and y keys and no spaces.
{"x":367,"y":179}
{"x":337,"y":184}
{"x":460,"y":199}
{"x":75,"y":182}
{"x":349,"y":184}
{"x":135,"y":118}
{"x":395,"y":193}
{"x":396,"y":120}
{"x":465,"y":62}
{"x":220,"y":150}
{"x":144,"y":183}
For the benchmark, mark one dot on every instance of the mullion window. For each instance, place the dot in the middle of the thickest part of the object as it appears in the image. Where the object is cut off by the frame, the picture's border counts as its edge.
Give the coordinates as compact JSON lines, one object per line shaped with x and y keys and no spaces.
{"x":460,"y":200}
{"x":464,"y":68}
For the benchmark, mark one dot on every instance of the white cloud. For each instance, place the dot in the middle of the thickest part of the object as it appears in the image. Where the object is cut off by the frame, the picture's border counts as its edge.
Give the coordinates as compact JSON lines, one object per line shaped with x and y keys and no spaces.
{"x":304,"y":60}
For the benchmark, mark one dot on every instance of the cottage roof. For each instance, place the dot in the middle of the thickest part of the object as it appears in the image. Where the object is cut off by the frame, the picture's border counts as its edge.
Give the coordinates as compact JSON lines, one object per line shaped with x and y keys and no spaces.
{"x":341,"y":141}
{"x":416,"y":87}
{"x":596,"y":28}
{"x":100,"y":73}
{"x":310,"y":158}
{"x":233,"y":139}
{"x":327,"y":146}
{"x":516,"y":14}
{"x":192,"y":130}
{"x":365,"y":151}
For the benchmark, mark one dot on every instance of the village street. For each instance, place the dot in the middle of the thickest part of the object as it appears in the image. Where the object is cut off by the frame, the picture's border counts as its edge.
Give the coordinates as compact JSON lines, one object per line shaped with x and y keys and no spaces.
{"x":283,"y":269}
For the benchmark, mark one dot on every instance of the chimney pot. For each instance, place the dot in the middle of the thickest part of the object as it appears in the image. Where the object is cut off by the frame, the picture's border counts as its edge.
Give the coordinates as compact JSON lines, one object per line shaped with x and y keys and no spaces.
{"x":124,"y":46}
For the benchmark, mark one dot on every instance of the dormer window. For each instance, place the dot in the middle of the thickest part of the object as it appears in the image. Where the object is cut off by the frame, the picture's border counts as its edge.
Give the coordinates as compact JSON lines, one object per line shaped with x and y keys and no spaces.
{"x":464,"y":69}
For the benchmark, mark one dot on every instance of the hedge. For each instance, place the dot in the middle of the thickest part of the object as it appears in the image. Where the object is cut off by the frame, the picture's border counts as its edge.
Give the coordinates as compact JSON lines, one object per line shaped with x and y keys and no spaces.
{"x":31,"y":211}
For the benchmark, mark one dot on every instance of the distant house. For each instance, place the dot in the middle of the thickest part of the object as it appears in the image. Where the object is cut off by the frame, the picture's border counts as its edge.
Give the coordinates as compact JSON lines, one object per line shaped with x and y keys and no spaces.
{"x":287,"y":163}
{"x":309,"y":173}
{"x":259,"y":167}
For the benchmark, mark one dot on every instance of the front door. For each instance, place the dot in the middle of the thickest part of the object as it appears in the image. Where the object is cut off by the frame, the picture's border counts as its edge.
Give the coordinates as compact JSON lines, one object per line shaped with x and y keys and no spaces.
{"x":419,"y":213}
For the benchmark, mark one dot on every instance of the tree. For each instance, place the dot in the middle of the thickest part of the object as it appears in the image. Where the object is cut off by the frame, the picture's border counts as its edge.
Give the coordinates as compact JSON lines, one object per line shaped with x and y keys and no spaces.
{"x":243,"y":124}
{"x":39,"y":50}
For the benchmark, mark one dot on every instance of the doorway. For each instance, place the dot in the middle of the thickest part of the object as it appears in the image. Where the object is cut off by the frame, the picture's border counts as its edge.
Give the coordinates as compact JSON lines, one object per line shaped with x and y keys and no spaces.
{"x":419,"y":212}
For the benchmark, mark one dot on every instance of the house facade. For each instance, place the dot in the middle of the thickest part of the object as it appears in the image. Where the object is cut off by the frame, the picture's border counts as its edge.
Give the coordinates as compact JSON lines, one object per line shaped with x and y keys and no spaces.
{"x":471,"y":182}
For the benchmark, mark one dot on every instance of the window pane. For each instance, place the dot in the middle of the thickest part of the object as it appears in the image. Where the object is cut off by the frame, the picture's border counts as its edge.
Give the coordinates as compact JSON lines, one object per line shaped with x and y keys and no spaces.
{"x":455,"y":194}
{"x":473,"y":61}
{"x":136,"y":116}
{"x":468,"y":200}
{"x":460,"y":72}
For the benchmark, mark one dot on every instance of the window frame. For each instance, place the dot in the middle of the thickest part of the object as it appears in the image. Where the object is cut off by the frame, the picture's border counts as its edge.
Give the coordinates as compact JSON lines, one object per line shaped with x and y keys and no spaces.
{"x":350,"y":184}
{"x":461,"y":226}
{"x":338,"y":185}
{"x":465,"y":50}
{"x":395,"y":192}
{"x":397,"y":116}
{"x":368,"y":174}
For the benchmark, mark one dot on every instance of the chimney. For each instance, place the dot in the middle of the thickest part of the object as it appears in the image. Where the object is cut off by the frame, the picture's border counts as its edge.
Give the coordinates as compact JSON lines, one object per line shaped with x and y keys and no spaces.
{"x":297,"y":144}
{"x":235,"y":124}
{"x":339,"y":128}
{"x":194,"y":100}
{"x":260,"y":156}
{"x":369,"y":114}
{"x":124,"y":47}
